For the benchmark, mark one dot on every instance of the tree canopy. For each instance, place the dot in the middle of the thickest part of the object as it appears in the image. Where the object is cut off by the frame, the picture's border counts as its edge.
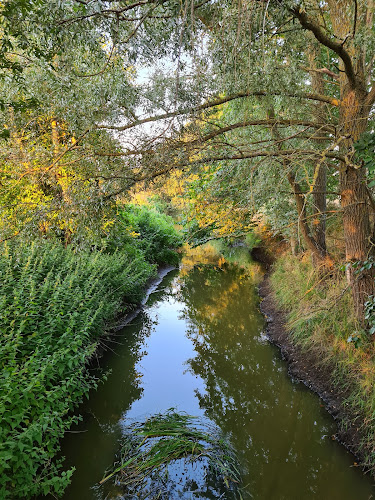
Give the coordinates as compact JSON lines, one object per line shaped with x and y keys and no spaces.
{"x":269,"y":103}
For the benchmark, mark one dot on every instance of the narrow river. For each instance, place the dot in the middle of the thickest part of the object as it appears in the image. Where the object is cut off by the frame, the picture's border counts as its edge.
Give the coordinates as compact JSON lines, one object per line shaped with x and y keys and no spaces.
{"x":198,"y":346}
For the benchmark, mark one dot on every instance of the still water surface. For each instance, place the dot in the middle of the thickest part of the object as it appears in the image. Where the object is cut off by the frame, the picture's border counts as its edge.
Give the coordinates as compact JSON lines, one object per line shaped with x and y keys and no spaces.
{"x":199,"y":346}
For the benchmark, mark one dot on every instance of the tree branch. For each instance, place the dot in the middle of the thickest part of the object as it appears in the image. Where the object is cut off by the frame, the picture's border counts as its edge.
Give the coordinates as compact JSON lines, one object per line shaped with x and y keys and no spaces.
{"x":256,"y":154}
{"x":269,"y":122}
{"x":311,"y":25}
{"x":326,"y":71}
{"x":370,"y":99}
{"x":218,"y":102}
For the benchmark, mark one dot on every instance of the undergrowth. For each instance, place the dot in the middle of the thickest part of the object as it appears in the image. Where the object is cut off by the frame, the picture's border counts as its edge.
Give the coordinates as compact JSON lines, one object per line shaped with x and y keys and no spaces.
{"x":321,"y":320}
{"x":53,"y":307}
{"x":150,"y":231}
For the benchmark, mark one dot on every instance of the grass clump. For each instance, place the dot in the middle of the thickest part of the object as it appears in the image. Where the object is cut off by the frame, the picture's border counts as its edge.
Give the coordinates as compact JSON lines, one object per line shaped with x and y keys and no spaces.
{"x":321,"y":320}
{"x":54,"y":305}
{"x":153,"y":446}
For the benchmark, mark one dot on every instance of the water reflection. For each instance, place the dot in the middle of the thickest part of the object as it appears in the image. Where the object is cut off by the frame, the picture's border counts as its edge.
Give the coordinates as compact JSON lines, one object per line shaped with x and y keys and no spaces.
{"x":279,"y":430}
{"x":92,"y":445}
{"x":198,"y":346}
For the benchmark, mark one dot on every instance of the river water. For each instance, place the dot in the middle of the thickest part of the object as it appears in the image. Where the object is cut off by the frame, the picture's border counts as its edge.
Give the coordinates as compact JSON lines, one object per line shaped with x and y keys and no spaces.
{"x":198,"y":346}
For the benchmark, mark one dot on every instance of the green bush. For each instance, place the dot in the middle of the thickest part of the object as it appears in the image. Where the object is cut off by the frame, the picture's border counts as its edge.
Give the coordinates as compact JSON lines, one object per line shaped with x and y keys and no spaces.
{"x":54,"y":306}
{"x":150,"y":231}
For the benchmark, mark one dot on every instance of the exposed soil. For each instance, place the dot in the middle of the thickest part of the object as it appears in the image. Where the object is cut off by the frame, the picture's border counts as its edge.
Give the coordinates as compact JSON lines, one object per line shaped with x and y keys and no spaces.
{"x":131,"y":313}
{"x":305,"y":367}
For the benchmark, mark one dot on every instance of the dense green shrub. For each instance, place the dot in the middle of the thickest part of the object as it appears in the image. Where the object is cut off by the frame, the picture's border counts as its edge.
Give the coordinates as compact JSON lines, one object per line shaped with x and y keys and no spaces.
{"x":54,"y":305}
{"x":150,"y":231}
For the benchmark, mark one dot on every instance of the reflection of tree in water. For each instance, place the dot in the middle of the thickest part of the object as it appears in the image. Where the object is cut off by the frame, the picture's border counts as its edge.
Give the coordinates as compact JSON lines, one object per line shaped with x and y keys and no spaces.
{"x":184,"y":480}
{"x":115,"y":398}
{"x":99,"y":430}
{"x":205,"y":485}
{"x":243,"y":392}
{"x":220,"y":324}
{"x":112,"y":400}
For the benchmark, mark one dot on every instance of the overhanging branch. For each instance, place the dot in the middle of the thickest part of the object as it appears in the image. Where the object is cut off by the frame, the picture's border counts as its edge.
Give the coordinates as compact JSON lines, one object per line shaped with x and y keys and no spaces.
{"x":286,"y":153}
{"x":218,"y":102}
{"x":311,"y":25}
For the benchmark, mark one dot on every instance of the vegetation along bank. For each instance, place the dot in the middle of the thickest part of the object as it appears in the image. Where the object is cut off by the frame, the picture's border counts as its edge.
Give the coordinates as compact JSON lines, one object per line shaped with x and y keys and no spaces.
{"x":324,"y":351}
{"x":236,"y":115}
{"x":56,"y":304}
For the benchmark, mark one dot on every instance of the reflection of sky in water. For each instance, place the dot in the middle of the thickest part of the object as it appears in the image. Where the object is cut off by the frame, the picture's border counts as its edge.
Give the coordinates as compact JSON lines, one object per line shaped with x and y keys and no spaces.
{"x":199,"y":347}
{"x":166,"y":383}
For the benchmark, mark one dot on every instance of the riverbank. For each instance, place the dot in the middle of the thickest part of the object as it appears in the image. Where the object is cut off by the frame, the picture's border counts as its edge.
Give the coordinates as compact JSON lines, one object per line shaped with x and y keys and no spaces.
{"x":57,"y":304}
{"x":322,"y":360}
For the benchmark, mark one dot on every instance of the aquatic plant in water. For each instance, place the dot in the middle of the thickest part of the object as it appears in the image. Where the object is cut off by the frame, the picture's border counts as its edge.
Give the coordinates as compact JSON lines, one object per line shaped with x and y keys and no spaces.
{"x":172,"y":454}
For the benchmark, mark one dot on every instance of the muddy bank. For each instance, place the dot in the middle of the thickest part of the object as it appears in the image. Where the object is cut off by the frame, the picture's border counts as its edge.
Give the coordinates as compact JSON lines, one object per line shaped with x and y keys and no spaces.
{"x":150,"y":287}
{"x":306,"y":368}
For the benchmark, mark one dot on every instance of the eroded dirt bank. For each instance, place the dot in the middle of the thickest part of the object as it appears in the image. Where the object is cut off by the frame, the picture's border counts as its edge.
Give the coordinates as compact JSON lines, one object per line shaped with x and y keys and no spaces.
{"x":305,"y":367}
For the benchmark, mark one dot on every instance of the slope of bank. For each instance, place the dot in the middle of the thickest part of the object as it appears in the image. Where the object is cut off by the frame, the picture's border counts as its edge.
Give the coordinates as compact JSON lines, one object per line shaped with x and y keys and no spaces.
{"x":311,"y":321}
{"x":56,"y":304}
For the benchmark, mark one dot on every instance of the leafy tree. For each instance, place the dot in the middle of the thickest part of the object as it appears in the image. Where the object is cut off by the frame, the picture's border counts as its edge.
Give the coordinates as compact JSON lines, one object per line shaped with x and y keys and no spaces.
{"x":259,"y":54}
{"x":300,"y":75}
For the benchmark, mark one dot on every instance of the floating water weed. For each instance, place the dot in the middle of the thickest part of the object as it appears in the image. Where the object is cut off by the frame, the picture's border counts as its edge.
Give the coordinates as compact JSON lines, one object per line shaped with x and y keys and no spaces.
{"x":170,"y":444}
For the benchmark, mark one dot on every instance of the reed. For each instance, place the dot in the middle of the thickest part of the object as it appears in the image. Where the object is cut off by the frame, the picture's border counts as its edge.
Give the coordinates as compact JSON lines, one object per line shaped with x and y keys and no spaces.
{"x":166,"y":438}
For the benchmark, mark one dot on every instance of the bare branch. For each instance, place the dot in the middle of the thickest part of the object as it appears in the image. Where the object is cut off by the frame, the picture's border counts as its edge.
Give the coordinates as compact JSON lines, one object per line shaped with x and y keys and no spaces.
{"x":311,"y":25}
{"x":218,"y":102}
{"x":323,"y":70}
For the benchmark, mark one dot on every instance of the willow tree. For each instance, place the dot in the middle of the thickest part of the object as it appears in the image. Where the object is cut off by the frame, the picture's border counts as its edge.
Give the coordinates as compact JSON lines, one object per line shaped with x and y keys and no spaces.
{"x":260,"y":50}
{"x":249,"y":52}
{"x":348,"y":32}
{"x":54,"y":178}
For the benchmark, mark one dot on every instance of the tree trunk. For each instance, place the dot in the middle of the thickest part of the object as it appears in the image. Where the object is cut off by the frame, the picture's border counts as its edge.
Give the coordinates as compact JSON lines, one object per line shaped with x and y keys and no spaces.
{"x":354,"y":114}
{"x":320,"y":257}
{"x":320,"y":174}
{"x":355,"y":201}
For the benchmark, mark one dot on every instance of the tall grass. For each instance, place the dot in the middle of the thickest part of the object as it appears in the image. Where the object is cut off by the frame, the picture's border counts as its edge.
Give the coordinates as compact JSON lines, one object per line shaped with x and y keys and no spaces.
{"x":53,"y":307}
{"x":321,"y":320}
